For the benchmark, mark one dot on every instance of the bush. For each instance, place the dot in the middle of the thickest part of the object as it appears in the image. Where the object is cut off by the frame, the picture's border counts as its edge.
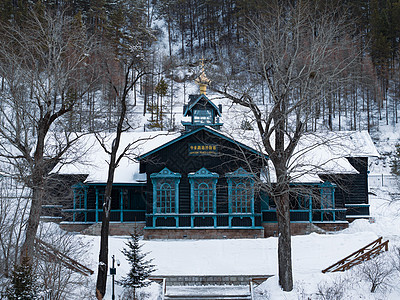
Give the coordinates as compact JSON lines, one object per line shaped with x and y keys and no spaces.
{"x":334,"y":290}
{"x":378,"y":272}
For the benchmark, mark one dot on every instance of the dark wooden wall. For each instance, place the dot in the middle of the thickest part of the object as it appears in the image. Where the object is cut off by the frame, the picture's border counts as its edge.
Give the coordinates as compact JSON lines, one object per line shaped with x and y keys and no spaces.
{"x":352,"y":189}
{"x":176,"y":158}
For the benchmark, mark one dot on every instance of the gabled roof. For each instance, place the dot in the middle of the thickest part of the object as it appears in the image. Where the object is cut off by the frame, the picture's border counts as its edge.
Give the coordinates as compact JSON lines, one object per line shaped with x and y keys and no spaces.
{"x":195,"y":99}
{"x":205,"y":128}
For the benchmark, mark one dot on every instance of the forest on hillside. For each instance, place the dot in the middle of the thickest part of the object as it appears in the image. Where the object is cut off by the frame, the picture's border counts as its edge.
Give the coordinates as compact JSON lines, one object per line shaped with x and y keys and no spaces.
{"x":215,"y":30}
{"x":73,"y":67}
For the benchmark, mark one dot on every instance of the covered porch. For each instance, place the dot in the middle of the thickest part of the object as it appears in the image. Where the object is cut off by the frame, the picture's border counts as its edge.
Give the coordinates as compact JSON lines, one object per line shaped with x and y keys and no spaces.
{"x":309,"y":203}
{"x":127,"y":204}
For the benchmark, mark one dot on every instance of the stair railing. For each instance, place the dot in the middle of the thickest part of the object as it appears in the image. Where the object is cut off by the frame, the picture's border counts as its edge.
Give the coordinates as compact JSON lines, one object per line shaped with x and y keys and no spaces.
{"x":163,"y":283}
{"x":251,"y":289}
{"x":366,"y":253}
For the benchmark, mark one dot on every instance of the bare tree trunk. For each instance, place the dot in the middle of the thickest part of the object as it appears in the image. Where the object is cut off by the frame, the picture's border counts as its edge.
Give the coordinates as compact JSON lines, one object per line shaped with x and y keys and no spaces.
{"x":330,"y":111}
{"x":368,"y":111}
{"x":32,"y":225}
{"x":103,"y":255}
{"x":37,"y":185}
{"x":284,"y":242}
{"x":105,"y":224}
{"x":281,"y":195}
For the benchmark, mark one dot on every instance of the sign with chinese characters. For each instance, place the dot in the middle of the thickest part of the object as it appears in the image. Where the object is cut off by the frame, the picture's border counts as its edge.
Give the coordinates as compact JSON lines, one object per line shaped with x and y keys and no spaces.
{"x":203,"y":149}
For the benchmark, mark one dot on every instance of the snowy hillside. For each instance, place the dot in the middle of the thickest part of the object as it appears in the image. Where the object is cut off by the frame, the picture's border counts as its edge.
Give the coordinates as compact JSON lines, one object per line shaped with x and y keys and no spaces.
{"x":311,"y":253}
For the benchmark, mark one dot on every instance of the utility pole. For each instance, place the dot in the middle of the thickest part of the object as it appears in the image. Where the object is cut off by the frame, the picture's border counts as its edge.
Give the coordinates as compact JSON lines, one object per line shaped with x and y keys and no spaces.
{"x":113,"y":272}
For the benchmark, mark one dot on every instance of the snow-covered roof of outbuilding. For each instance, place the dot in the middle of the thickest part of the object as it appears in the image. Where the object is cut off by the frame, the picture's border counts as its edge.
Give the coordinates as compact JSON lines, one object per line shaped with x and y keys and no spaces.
{"x":347,"y":143}
{"x":326,"y":153}
{"x":94,"y":161}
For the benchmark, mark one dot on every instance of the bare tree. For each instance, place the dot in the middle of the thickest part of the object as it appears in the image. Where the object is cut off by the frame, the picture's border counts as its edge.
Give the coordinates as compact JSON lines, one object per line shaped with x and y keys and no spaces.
{"x":298,"y":48}
{"x":378,"y":272}
{"x":332,"y":290}
{"x":57,"y":280}
{"x":124,"y":67}
{"x":133,"y":65}
{"x":45,"y":69}
{"x":14,"y":200}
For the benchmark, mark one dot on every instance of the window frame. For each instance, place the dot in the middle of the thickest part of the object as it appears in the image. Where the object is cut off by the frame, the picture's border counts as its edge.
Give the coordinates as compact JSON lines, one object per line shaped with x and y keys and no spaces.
{"x":80,"y":196}
{"x":234,"y":179}
{"x":203,"y":177}
{"x":165,"y":176}
{"x":327,"y":194}
{"x":203,"y":116}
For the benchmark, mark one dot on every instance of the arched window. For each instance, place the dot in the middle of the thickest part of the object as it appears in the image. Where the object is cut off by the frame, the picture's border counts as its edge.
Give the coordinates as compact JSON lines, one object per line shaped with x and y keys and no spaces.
{"x":165,"y":192}
{"x":166,"y":201}
{"x":241,"y":197}
{"x":203,"y":197}
{"x":203,"y":191}
{"x":240,"y":192}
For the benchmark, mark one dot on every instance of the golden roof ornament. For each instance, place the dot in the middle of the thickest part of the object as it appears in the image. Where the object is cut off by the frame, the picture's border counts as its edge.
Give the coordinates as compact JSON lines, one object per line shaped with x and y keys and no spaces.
{"x":202,"y":80}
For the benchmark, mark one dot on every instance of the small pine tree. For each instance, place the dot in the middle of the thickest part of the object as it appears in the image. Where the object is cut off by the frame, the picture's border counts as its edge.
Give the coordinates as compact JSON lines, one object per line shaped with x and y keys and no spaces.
{"x":23,"y":282}
{"x":141,"y":268}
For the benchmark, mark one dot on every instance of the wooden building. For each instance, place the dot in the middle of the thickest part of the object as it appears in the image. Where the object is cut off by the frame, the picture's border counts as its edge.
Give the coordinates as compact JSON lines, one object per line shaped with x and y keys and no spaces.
{"x":203,"y":183}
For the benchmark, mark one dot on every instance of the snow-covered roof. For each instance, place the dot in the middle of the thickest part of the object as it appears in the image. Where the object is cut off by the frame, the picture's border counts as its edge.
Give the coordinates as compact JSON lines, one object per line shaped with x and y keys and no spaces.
{"x":316,"y":154}
{"x":244,"y":143}
{"x":194,"y":99}
{"x":95,"y":160}
{"x":344,"y":143}
{"x":326,"y":153}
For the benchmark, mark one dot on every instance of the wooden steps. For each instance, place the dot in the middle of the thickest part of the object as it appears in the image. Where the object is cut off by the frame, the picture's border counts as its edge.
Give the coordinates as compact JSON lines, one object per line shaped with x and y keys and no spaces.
{"x":208,"y":292}
{"x":209,"y":287}
{"x":366,"y":253}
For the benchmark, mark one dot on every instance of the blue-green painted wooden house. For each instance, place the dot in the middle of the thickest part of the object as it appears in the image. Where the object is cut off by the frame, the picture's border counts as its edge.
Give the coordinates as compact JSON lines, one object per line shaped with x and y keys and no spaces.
{"x":203,"y":183}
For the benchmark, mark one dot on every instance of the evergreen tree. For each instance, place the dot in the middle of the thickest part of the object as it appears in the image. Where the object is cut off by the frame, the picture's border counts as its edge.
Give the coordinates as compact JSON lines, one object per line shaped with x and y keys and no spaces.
{"x":141,"y":268}
{"x":23,"y":282}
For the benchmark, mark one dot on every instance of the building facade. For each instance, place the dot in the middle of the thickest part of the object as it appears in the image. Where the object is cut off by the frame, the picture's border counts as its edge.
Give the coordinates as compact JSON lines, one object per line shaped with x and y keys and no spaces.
{"x":202,"y":183}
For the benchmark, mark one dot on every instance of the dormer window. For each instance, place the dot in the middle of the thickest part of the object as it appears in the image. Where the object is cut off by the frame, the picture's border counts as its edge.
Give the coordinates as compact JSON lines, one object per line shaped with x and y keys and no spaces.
{"x":202,"y":116}
{"x":202,"y":112}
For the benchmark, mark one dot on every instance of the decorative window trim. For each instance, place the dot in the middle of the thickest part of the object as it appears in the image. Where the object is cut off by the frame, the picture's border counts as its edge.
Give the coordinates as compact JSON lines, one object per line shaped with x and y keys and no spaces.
{"x":327,"y":195}
{"x":80,"y":196}
{"x":237,"y":178}
{"x":174,"y":178}
{"x":203,"y":177}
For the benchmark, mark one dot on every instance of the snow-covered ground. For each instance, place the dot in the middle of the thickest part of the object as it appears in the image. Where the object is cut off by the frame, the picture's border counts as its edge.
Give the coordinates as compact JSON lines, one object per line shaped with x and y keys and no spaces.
{"x":311,"y":253}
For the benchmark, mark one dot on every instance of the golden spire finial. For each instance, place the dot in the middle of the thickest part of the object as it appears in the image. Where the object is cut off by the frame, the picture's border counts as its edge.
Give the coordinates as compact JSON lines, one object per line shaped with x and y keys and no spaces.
{"x":202,"y":80}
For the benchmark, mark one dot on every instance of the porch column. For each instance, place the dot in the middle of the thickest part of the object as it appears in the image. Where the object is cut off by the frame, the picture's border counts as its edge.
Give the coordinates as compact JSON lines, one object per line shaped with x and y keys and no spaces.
{"x":154,"y":182}
{"x":333,"y":204}
{"x":74,"y":206}
{"x":177,"y":181}
{"x":97,"y":204}
{"x":121,"y":205}
{"x":253,"y":221}
{"x":85,"y":203}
